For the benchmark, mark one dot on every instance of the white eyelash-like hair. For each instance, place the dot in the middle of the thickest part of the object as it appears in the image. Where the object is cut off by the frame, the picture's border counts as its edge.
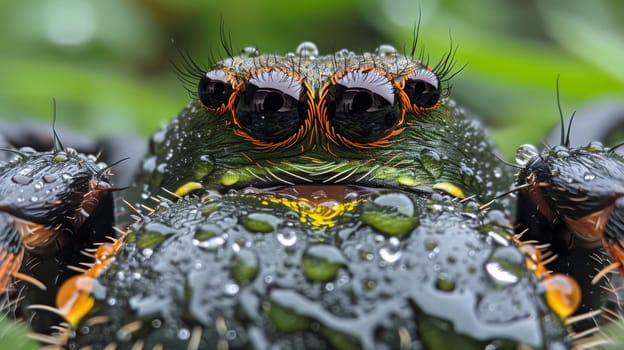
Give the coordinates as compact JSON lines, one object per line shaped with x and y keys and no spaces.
{"x":370,"y":80}
{"x":277,"y":80}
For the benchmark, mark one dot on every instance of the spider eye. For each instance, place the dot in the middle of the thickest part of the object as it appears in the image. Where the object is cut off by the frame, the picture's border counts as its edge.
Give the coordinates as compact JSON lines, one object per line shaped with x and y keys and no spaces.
{"x":213,"y":89}
{"x":271,"y":107}
{"x":362,"y":107}
{"x":422,"y":88}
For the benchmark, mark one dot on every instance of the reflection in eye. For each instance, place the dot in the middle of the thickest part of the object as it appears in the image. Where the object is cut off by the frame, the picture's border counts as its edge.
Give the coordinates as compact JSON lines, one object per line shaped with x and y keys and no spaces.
{"x":271,"y":107}
{"x":213,"y":89}
{"x":422,"y":89}
{"x":361,"y":107}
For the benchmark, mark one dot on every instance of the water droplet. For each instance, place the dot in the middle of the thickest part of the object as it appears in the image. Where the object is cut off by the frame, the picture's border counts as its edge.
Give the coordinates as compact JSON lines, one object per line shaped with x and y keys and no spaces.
{"x":49,"y":178}
{"x":210,"y":244}
{"x":147,"y":252}
{"x":231,"y":288}
{"x":184,"y":334}
{"x":307,"y":49}
{"x":230,"y":334}
{"x":342,"y":53}
{"x":505,"y":266}
{"x":22,"y":179}
{"x":560,"y":151}
{"x":244,"y":266}
{"x":364,"y":255}
{"x":34,"y":199}
{"x":111,"y":301}
{"x":321,"y":262}
{"x":260,"y":222}
{"x":152,"y":235}
{"x":203,"y":166}
{"x":351,"y":195}
{"x":27,"y":150}
{"x":525,"y":153}
{"x":236,"y":248}
{"x":595,"y":146}
{"x":284,"y":318}
{"x":391,"y":250}
{"x":500,"y":238}
{"x":385,"y":50}
{"x":392,"y":214}
{"x":161,"y":168}
{"x":431,"y":244}
{"x":445,"y":282}
{"x":209,"y":209}
{"x":589,"y":177}
{"x":250,"y":51}
{"x":287,"y":237}
{"x":435,"y":208}
{"x":60,"y":157}
{"x":123,"y":335}
{"x":206,"y":238}
{"x":156,"y":323}
{"x":431,"y":162}
{"x":370,"y":284}
{"x":498,"y":172}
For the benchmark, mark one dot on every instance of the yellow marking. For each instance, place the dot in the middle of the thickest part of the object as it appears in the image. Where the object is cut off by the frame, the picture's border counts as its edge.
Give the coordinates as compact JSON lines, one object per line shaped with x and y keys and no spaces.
{"x":319,"y":215}
{"x":450,"y":188}
{"x":229,"y":178}
{"x":407,"y":180}
{"x":188,"y":188}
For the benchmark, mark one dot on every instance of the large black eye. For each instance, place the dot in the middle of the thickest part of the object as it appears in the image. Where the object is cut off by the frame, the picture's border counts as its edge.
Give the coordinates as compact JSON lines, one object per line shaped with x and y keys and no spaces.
{"x":422,"y":88}
{"x":213,"y":89}
{"x":361,"y":107}
{"x":271,"y":107}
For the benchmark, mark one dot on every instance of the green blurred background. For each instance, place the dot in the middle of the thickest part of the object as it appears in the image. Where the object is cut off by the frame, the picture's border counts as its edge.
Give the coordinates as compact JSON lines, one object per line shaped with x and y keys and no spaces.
{"x":108,"y":63}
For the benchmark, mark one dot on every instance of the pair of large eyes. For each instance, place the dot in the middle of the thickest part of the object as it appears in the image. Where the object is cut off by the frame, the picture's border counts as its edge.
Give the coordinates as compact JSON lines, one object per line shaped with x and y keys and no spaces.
{"x":270,"y":108}
{"x":361,"y":107}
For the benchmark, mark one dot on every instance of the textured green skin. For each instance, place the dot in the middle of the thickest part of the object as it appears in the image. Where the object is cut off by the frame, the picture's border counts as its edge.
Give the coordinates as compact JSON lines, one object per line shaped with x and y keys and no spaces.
{"x":464,"y":152}
{"x":466,"y":156}
{"x":160,"y":274}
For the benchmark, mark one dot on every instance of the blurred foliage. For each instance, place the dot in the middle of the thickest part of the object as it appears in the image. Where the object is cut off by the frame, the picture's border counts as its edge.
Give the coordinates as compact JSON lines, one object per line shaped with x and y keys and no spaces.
{"x":108,"y":63}
{"x":14,"y":336}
